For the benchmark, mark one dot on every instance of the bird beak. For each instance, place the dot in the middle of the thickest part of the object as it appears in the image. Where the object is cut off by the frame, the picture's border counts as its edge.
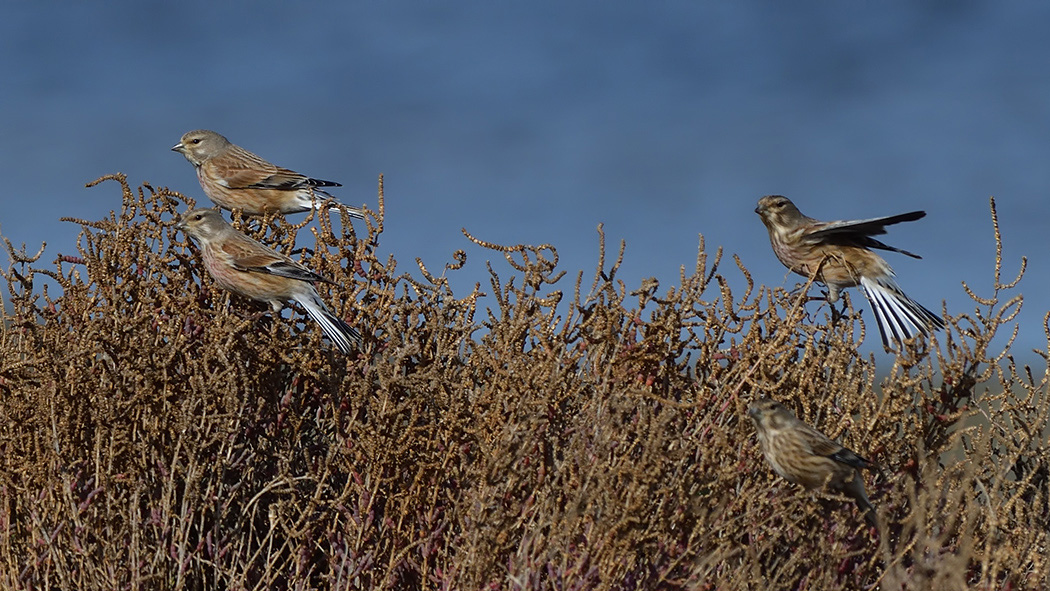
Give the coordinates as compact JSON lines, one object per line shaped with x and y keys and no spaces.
{"x":758,"y":210}
{"x":753,"y":410}
{"x":181,"y":225}
{"x":178,"y":147}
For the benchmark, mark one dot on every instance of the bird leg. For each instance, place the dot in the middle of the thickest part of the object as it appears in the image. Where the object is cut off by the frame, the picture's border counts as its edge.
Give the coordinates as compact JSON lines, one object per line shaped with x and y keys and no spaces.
{"x":832,"y":297}
{"x":836,"y":315}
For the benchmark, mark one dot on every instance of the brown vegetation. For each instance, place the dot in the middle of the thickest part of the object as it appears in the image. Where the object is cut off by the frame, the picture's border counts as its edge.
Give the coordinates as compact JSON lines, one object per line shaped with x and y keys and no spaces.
{"x":157,"y":433}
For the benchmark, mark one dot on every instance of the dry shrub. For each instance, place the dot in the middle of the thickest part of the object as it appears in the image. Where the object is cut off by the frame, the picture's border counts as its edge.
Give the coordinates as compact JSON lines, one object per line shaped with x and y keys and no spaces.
{"x":158,"y":433}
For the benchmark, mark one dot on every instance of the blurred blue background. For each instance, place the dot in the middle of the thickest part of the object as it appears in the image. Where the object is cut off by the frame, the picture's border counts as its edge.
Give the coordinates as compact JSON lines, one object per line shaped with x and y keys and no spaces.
{"x":534,"y":122}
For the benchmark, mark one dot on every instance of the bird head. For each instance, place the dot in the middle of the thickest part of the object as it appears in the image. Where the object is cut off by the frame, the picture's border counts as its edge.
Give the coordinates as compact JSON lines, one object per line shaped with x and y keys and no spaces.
{"x":201,"y":223}
{"x":200,"y":145}
{"x":769,"y":414}
{"x":778,"y":211}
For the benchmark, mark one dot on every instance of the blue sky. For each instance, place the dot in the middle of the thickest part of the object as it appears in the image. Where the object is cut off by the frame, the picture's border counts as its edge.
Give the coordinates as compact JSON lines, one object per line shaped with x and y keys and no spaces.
{"x":534,"y":122}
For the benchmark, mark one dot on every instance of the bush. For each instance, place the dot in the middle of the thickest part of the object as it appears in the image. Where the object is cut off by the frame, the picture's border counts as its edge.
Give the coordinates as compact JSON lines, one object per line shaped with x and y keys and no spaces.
{"x":159,"y":433}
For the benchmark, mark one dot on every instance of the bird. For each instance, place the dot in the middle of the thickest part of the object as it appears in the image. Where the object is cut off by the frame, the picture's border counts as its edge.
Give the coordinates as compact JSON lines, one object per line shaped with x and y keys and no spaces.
{"x":237,"y":179}
{"x":249,"y":268}
{"x":840,"y":254}
{"x":802,"y":455}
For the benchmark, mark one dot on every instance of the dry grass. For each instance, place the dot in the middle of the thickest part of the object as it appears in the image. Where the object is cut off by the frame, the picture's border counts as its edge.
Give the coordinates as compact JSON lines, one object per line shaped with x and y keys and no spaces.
{"x":156,"y":433}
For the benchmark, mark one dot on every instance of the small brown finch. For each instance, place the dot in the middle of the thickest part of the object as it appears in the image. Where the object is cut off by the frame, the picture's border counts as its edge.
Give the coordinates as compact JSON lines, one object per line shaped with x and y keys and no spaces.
{"x":234,"y":178}
{"x":805,"y":456}
{"x":840,"y":253}
{"x":251,"y":269}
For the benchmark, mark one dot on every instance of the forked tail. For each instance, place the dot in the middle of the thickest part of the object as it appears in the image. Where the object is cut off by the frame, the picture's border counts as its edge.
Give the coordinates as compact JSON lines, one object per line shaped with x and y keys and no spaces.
{"x":346,"y":337}
{"x":898,"y":316}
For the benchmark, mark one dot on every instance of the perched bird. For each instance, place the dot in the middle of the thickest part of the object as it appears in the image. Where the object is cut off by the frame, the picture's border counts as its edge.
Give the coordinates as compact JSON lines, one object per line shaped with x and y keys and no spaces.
{"x":251,"y":269}
{"x":805,"y":456}
{"x":842,"y":253}
{"x":234,"y":178}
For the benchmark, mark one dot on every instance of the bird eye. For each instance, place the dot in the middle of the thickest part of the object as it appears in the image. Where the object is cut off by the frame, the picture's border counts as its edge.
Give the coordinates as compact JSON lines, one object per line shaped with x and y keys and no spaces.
{"x":196,"y":140}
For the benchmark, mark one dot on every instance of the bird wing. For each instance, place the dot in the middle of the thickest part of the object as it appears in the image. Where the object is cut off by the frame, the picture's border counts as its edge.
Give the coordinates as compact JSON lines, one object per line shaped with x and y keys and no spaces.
{"x":284,"y":180}
{"x":271,"y":177}
{"x":869,"y":227}
{"x":259,"y":259}
{"x":872,"y":243}
{"x":240,"y":169}
{"x":847,"y":456}
{"x":293,"y":270}
{"x":821,"y":445}
{"x":860,"y":232}
{"x":240,"y":172}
